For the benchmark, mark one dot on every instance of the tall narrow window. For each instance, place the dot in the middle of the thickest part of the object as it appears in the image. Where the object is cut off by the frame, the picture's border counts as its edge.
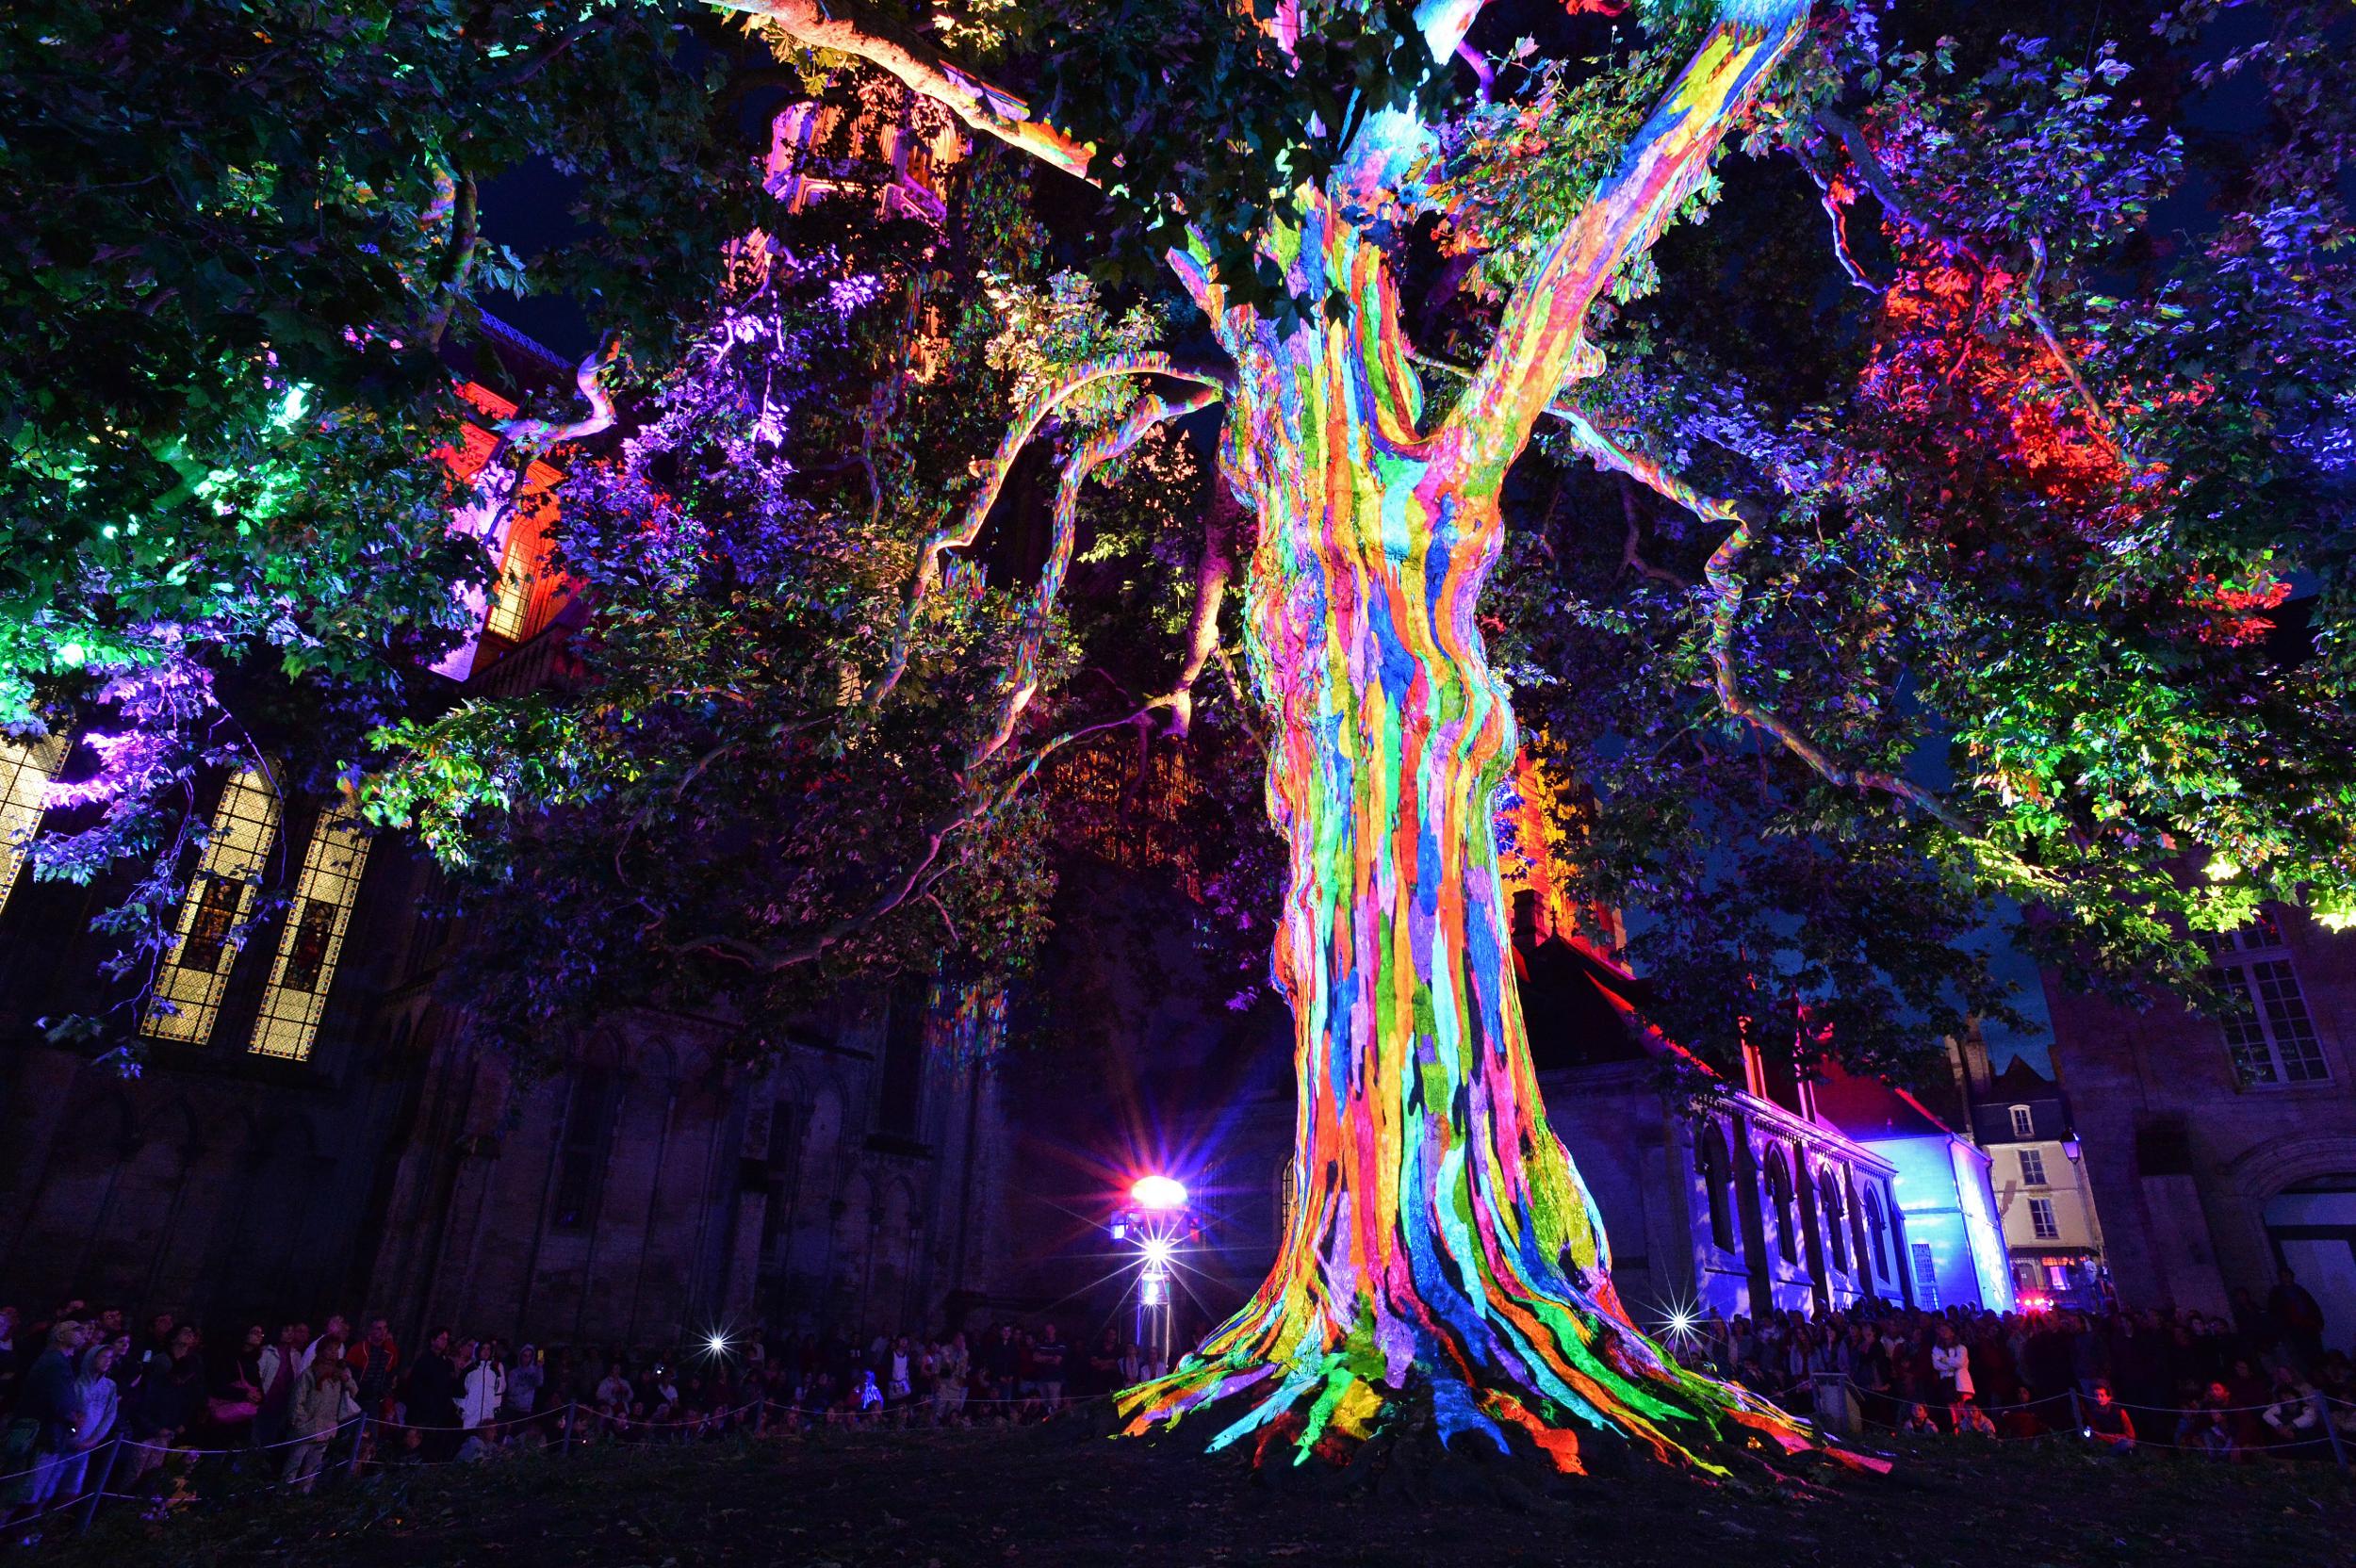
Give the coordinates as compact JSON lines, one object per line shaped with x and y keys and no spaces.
{"x":1778,"y":1187}
{"x":1925,"y":1278}
{"x":1718,"y":1182}
{"x":2042,"y":1219}
{"x":900,"y":1084}
{"x":580,"y":1160}
{"x":2023,"y":1122}
{"x":1874,"y":1229}
{"x":190,"y":984}
{"x":1836,"y":1219}
{"x":2032,"y":1167}
{"x":314,"y":937}
{"x":26,"y":769}
{"x":2265,"y":1018}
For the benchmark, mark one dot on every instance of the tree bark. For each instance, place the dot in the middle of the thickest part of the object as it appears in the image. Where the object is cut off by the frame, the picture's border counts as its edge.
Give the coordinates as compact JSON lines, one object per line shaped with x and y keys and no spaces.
{"x":1441,"y":1245}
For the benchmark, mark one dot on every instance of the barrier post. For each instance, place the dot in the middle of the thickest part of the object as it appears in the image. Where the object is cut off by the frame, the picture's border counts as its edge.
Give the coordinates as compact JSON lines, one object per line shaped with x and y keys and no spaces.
{"x":359,"y":1442}
{"x":106,"y":1476}
{"x":572,"y":1426}
{"x":2331,"y":1431}
{"x":2077,"y":1415}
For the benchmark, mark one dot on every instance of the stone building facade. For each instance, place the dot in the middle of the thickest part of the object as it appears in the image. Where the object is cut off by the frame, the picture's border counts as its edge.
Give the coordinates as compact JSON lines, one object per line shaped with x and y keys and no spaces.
{"x":648,"y":1189}
{"x":2225,"y":1148}
{"x":2044,"y":1197}
{"x":307,"y":1133}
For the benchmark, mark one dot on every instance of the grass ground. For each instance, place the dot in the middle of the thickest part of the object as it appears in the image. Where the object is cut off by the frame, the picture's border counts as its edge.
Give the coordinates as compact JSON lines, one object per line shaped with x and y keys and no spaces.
{"x":1050,"y":1497}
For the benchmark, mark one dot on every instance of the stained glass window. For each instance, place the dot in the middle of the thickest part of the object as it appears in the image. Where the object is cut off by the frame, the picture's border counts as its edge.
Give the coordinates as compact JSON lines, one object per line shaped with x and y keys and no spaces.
{"x":26,"y":769}
{"x":190,"y":984}
{"x":314,"y":937}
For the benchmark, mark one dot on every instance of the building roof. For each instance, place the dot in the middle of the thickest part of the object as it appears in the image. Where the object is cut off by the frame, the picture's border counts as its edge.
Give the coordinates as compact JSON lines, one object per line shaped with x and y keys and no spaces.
{"x":2021,"y":1081}
{"x":1867,"y":1108}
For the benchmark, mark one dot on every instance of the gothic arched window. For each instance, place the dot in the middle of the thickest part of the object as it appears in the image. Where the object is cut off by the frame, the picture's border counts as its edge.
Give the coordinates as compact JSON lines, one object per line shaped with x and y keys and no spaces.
{"x":1717,"y":1172}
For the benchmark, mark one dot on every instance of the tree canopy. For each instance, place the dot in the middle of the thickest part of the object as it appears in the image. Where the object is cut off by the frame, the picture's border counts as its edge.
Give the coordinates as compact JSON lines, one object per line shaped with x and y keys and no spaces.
{"x":1944,"y":528}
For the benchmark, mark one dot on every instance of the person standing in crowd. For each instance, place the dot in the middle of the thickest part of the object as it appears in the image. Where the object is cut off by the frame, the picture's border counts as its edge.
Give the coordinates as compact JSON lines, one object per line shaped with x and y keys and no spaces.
{"x":101,"y":1403}
{"x":323,"y":1402}
{"x":38,"y":1437}
{"x":236,"y":1399}
{"x":1103,"y":1367}
{"x":157,"y":1350}
{"x":897,"y":1383}
{"x":1047,"y":1363}
{"x":1952,"y":1364}
{"x":167,"y":1400}
{"x":949,"y":1381}
{"x":2298,"y":1318}
{"x":524,"y":1380}
{"x":484,"y":1385}
{"x":375,"y":1364}
{"x":431,"y":1396}
{"x":336,"y":1330}
{"x":279,"y":1367}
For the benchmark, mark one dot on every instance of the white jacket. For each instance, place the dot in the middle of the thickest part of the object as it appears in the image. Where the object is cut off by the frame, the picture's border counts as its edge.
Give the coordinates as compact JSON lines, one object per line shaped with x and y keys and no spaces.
{"x":485,"y":1386}
{"x":1954,"y":1360}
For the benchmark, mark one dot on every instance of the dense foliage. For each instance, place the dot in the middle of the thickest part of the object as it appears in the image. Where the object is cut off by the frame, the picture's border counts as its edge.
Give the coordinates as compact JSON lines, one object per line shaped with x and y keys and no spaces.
{"x":1999,"y":420}
{"x":236,"y":240}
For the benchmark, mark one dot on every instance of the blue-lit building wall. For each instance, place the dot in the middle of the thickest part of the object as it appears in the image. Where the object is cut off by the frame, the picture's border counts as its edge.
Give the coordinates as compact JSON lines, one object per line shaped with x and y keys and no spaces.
{"x":1942,"y":1189}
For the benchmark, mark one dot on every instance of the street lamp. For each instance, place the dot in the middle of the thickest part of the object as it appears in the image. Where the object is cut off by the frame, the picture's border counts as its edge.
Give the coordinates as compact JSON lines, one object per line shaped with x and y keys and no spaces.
{"x":1154,"y":1218}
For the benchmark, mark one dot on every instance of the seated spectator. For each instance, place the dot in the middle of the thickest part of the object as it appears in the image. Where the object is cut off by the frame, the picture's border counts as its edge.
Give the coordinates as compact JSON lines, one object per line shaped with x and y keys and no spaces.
{"x":2108,"y":1423}
{"x":2199,"y":1432}
{"x":1917,"y":1422}
{"x":2295,"y":1418}
{"x":1971,"y":1420}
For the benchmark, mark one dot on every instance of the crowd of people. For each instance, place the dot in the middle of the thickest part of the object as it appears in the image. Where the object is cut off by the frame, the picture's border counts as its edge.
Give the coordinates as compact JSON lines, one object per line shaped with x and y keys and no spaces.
{"x":2258,"y":1383}
{"x":91,"y":1402}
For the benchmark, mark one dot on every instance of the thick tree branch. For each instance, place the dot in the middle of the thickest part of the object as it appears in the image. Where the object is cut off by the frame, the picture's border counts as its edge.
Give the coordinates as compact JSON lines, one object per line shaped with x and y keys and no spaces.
{"x":1726,"y":593}
{"x":1001,"y":464}
{"x":991,"y":110}
{"x":1836,"y":204}
{"x":463,"y":239}
{"x":531,"y":436}
{"x":915,"y":880}
{"x":1098,"y":450}
{"x":1212,"y":574}
{"x":2033,"y":306}
{"x":1899,"y":211}
{"x":1539,"y":343}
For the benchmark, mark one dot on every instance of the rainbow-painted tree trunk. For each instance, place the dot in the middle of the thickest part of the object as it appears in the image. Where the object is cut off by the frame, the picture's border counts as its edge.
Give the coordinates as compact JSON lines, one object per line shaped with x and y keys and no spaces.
{"x":1440,"y":1245}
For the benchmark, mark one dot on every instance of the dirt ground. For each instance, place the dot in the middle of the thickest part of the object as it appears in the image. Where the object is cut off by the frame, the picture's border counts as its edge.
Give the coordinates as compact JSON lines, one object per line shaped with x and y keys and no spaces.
{"x":1055,"y":1496}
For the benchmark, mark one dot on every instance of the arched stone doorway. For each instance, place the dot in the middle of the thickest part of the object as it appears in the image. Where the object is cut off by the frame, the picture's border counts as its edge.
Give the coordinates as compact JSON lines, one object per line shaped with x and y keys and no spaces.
{"x":2311,"y":1228}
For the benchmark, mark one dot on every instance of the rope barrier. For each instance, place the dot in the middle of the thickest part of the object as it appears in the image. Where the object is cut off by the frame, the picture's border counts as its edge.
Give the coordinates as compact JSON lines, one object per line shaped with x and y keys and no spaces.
{"x":578,"y":1425}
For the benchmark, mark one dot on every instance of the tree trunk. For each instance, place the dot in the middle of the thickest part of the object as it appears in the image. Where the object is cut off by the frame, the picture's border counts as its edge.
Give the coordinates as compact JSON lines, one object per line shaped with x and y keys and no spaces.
{"x":1441,"y":1245}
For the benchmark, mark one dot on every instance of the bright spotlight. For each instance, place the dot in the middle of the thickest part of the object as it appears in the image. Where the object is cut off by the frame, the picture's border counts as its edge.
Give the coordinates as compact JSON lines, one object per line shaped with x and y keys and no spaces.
{"x":1680,"y":1323}
{"x":1156,"y":1252}
{"x":1158,"y":1192}
{"x":717,"y":1345}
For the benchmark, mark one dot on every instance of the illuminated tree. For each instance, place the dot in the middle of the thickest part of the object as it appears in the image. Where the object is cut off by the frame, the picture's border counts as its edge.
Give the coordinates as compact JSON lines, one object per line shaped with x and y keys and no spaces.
{"x":1441,"y":1248}
{"x":1440,"y":1244}
{"x":1992,"y":505}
